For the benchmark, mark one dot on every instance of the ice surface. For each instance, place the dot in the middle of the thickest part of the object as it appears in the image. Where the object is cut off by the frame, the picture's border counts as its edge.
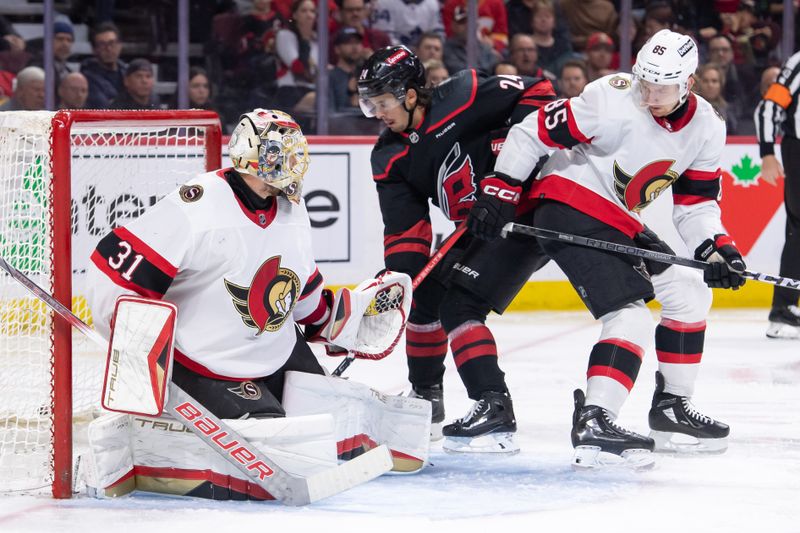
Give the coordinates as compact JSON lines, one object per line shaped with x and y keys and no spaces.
{"x":747,"y":380}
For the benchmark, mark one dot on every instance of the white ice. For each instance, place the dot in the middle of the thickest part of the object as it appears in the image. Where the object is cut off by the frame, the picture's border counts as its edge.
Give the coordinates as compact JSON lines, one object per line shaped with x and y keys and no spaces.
{"x":747,"y":380}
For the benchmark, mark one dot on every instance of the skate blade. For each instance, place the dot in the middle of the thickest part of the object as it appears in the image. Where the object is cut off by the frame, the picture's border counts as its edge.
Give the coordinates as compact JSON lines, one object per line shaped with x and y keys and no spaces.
{"x":593,"y":458}
{"x":496,"y":443}
{"x":680,"y":444}
{"x":436,"y":431}
{"x":776,"y":330}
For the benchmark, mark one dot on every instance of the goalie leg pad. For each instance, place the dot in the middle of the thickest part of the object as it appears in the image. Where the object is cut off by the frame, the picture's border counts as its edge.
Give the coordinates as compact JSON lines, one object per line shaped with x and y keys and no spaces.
{"x":364,"y":417}
{"x":161,"y":455}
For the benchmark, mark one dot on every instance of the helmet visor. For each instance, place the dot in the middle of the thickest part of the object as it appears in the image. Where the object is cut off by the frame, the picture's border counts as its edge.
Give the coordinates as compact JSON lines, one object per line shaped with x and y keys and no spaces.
{"x":656,"y":95}
{"x":372,"y":106}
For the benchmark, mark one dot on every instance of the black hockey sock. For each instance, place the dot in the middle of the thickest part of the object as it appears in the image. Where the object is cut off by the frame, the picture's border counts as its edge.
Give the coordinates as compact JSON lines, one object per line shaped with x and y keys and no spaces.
{"x":426,"y":348}
{"x":475,"y":354}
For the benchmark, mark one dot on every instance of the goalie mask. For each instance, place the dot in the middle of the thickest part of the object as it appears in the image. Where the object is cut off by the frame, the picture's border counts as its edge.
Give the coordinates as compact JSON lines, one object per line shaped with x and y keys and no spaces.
{"x":269,"y":145}
{"x":663,"y":68}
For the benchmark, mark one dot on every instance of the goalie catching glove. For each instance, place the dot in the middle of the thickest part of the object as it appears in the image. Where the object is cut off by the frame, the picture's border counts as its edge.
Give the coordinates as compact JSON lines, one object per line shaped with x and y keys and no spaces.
{"x":368,"y":320}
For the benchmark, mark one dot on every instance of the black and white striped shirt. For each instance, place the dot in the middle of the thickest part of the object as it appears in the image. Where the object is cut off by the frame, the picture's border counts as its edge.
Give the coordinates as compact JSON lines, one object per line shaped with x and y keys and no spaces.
{"x":778,"y":111}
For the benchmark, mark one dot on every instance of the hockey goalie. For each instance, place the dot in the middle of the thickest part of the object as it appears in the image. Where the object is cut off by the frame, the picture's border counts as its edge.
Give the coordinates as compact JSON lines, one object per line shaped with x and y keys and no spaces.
{"x":229,"y":256}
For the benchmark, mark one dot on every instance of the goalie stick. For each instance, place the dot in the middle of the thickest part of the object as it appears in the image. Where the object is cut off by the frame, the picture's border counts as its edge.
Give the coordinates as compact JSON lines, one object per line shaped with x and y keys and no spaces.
{"x":258,"y":468}
{"x":418,"y":279}
{"x":651,"y":255}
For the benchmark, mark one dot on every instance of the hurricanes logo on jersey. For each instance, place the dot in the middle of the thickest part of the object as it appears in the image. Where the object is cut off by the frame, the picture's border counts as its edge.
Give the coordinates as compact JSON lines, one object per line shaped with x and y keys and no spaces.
{"x":268,"y":301}
{"x":457,"y":191}
{"x":637,"y":190}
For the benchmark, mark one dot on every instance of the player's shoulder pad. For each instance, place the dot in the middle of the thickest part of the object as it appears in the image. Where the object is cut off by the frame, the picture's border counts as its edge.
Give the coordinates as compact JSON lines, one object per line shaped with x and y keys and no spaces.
{"x":385,"y":151}
{"x":453,"y":93}
{"x":708,"y":119}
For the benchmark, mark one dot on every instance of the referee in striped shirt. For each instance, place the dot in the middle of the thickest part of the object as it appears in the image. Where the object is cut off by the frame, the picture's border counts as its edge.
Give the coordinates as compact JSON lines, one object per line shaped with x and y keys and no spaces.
{"x":778,"y":111}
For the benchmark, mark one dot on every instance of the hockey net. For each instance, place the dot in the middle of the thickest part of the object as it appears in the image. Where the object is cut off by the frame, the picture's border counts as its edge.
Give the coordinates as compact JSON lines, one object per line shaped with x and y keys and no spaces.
{"x":66,"y":179}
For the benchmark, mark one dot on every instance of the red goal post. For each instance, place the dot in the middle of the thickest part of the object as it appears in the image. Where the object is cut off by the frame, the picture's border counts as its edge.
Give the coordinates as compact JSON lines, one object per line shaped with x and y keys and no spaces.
{"x":66,"y":178}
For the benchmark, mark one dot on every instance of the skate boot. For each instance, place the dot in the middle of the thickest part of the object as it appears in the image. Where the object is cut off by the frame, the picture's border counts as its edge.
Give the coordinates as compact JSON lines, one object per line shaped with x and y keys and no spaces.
{"x":678,"y":427}
{"x":435,"y":395}
{"x":488,"y":427}
{"x":600,"y":443}
{"x":784,"y":323}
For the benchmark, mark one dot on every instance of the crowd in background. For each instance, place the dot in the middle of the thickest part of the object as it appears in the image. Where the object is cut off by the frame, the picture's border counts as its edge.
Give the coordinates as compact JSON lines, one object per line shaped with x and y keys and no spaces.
{"x":264,"y":53}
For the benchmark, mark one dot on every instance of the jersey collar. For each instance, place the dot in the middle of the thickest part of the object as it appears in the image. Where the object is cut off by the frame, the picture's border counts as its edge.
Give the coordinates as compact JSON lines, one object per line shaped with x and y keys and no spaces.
{"x":679,"y":118}
{"x":260,"y":217}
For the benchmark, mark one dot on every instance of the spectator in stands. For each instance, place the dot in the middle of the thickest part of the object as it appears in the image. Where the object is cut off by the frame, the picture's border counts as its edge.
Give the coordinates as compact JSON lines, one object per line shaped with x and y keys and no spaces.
{"x":435,"y":72}
{"x":553,"y":48}
{"x":199,"y":91}
{"x":505,"y":68}
{"x":13,"y":54}
{"x":430,"y":46}
{"x":572,"y":78}
{"x":599,"y":53}
{"x":10,"y":40}
{"x":492,"y":21}
{"x":585,"y":17}
{"x":343,"y":78}
{"x":710,"y":85}
{"x":63,"y":39}
{"x":405,"y":20}
{"x":754,"y":39}
{"x":73,"y":90}
{"x":259,"y":27}
{"x":455,"y":47}
{"x":28,"y":91}
{"x":737,"y":80}
{"x":353,"y":14}
{"x":297,"y":51}
{"x":524,"y":55}
{"x":138,"y":87}
{"x":104,"y":71}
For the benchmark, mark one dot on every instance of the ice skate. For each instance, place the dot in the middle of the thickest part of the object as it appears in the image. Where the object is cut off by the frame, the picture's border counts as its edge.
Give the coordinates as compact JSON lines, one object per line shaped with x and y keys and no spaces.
{"x":784,"y":323}
{"x":435,"y":395}
{"x":678,"y":427}
{"x":600,"y":443}
{"x":488,"y":427}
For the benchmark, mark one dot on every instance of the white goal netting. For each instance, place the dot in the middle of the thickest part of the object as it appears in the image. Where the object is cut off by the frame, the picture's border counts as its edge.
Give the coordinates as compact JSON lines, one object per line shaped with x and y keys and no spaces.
{"x":117,"y":172}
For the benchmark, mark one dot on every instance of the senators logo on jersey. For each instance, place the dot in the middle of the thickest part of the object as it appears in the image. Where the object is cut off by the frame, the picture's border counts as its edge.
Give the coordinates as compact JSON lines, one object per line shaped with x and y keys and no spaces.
{"x":269,"y":300}
{"x":457,"y":190}
{"x":637,"y":190}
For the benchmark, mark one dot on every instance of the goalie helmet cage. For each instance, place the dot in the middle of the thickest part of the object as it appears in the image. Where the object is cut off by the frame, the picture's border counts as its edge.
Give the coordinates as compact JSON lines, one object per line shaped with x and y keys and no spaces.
{"x":66,"y":179}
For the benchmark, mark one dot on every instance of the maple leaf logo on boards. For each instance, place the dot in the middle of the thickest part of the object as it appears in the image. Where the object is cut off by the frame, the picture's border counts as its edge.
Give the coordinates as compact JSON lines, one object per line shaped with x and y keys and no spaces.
{"x":745,"y":173}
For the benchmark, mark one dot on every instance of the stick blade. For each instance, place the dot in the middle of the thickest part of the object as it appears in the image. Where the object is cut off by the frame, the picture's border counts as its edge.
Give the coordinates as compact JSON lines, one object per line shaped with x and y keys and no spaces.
{"x":354,"y":472}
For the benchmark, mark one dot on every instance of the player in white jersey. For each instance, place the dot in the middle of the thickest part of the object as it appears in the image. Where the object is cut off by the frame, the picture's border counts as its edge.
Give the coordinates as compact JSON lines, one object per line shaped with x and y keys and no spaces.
{"x":613,"y":150}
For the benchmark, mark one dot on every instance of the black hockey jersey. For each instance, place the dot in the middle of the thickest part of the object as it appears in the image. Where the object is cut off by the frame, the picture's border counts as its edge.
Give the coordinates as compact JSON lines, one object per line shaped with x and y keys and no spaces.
{"x":445,"y":157}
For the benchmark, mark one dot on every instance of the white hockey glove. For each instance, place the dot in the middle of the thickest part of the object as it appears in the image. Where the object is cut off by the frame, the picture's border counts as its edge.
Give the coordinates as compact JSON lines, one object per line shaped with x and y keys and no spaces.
{"x":369,"y":320}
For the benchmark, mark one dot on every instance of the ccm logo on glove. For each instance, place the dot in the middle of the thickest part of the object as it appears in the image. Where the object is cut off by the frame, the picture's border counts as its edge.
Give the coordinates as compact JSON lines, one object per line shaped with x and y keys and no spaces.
{"x":507,"y":195}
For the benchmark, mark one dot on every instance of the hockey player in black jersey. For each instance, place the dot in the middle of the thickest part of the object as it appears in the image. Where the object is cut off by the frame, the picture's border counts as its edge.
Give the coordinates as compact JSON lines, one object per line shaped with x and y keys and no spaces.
{"x":437,"y":145}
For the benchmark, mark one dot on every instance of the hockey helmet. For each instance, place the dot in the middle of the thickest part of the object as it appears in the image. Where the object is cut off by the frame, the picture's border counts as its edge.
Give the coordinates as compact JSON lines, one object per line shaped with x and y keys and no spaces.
{"x":392,"y":70}
{"x":269,"y":145}
{"x":663,"y":68}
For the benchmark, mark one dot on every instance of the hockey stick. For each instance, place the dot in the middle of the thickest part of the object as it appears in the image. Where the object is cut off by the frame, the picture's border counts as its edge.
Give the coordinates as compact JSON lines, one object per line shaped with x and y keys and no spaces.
{"x":418,"y":279}
{"x":640,"y":252}
{"x":261,"y":470}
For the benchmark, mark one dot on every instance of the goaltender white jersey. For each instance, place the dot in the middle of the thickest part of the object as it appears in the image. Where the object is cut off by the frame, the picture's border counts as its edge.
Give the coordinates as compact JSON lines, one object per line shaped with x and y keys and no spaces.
{"x":611,"y":157}
{"x":240,"y":279}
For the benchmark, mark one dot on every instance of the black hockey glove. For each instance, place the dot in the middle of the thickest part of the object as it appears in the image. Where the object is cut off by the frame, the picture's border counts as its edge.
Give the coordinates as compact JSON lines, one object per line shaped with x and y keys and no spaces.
{"x":725,"y":263}
{"x":495,"y":207}
{"x":648,"y":240}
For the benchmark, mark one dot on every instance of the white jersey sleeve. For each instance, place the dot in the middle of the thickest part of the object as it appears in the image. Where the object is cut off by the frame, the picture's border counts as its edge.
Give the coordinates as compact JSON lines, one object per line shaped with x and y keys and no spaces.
{"x":559,"y":125}
{"x":142,"y":258}
{"x":696,"y":193}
